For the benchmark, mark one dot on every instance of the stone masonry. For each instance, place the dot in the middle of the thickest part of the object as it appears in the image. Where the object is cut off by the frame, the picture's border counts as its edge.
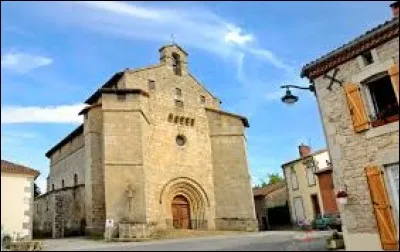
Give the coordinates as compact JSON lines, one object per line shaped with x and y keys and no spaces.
{"x":151,"y":134}
{"x":350,"y":151}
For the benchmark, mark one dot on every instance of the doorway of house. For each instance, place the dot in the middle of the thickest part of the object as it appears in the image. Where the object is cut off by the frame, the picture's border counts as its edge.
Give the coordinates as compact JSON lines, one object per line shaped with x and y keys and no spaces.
{"x":181,"y":212}
{"x":315,"y":203}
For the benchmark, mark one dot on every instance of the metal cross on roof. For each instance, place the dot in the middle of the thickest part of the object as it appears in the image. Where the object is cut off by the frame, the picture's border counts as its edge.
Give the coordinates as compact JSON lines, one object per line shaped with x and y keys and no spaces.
{"x":172,"y":39}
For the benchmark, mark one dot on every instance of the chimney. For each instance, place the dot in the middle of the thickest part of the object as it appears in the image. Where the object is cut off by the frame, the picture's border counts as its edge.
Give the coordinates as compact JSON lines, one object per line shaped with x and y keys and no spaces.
{"x":395,"y":8}
{"x":304,"y":150}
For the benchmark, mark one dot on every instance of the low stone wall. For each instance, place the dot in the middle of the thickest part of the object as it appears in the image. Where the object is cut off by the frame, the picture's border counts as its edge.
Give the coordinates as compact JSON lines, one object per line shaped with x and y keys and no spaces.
{"x":243,"y":224}
{"x":60,"y":213}
{"x":136,"y":230}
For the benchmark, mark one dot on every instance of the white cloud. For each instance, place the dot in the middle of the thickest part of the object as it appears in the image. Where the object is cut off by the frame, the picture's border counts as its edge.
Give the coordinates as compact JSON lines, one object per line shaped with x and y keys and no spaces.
{"x":49,"y":114}
{"x":23,"y":62}
{"x":235,"y":36}
{"x":191,"y":26}
{"x":270,"y":57}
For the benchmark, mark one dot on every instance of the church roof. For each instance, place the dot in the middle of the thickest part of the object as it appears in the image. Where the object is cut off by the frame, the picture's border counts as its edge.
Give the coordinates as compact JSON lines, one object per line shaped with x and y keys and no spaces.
{"x":370,"y":39}
{"x":9,"y":167}
{"x":76,"y":132}
{"x":244,"y":119}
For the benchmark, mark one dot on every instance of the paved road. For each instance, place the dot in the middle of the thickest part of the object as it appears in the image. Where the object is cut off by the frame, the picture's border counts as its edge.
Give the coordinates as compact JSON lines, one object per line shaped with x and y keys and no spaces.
{"x":263,"y":241}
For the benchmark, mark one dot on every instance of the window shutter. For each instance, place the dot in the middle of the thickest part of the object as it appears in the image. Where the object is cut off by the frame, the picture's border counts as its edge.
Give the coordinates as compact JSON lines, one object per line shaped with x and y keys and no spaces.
{"x":356,"y":106}
{"x":382,"y":208}
{"x":394,"y":76}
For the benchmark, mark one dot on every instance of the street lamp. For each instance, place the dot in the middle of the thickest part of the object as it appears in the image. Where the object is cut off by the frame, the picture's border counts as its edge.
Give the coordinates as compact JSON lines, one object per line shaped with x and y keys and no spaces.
{"x":289,"y":98}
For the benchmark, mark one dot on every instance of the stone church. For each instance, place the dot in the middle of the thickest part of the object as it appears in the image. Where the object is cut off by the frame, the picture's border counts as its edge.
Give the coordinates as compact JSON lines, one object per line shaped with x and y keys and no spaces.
{"x":155,"y":147}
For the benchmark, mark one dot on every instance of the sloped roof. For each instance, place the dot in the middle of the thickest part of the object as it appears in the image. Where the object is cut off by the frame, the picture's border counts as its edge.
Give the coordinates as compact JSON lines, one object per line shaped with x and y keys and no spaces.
{"x":264,"y":191}
{"x":74,"y":133}
{"x":370,"y":39}
{"x":242,"y":118}
{"x":9,"y":167}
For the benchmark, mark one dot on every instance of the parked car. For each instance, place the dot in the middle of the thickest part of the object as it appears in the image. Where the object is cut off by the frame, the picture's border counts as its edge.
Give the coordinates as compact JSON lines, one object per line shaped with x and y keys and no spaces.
{"x":328,"y":221}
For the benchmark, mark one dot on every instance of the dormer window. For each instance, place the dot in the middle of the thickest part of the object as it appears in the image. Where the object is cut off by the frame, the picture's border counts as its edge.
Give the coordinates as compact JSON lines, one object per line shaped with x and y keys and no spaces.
{"x":176,"y":64}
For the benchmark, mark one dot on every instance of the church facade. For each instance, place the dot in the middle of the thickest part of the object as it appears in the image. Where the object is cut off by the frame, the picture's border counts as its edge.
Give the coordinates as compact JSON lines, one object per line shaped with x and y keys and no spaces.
{"x":155,"y":147}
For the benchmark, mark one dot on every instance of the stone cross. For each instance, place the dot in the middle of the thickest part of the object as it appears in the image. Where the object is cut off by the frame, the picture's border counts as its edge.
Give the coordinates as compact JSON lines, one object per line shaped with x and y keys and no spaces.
{"x":129,"y":195}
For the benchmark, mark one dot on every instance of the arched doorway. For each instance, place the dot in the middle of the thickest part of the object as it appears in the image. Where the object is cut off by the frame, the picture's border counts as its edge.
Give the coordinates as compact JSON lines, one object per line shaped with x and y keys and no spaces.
{"x":181,"y":212}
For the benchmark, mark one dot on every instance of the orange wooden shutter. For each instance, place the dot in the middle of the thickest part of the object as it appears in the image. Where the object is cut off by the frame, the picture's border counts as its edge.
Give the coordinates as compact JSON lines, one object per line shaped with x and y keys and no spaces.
{"x":356,"y":106}
{"x":394,"y":76}
{"x":382,"y":208}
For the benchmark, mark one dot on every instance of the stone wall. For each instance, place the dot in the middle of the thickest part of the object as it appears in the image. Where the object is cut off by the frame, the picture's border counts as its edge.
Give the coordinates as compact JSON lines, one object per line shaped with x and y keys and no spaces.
{"x":60,"y":213}
{"x":233,"y":194}
{"x":94,"y":172}
{"x":67,"y":162}
{"x":350,"y":151}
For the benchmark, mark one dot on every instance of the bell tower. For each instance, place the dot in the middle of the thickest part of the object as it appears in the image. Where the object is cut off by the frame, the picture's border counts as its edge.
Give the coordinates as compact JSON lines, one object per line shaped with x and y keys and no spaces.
{"x":175,"y":57}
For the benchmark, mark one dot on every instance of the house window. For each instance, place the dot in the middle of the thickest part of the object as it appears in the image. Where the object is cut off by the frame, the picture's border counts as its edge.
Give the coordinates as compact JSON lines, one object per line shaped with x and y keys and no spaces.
{"x":310,"y":166}
{"x":293,"y":176}
{"x":367,"y":58}
{"x":176,"y":64}
{"x":202,"y":99}
{"x":383,"y":103}
{"x":393,"y":179}
{"x":152,"y":85}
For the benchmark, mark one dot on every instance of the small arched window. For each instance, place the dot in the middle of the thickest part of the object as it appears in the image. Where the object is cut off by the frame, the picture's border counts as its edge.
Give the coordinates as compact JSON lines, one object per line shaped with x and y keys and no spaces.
{"x":75,"y":179}
{"x":176,"y":64}
{"x":62,"y":183}
{"x":52,"y":187}
{"x":170,"y":118}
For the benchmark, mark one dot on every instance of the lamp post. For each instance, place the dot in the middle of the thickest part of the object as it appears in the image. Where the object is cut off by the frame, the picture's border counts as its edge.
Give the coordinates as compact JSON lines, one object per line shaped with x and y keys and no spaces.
{"x":289,"y":98}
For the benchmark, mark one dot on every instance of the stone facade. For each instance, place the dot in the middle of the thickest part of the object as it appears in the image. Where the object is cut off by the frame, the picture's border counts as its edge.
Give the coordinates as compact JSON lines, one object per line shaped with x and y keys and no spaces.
{"x":302,"y":184}
{"x":154,"y":133}
{"x":352,"y":151}
{"x":60,"y":213}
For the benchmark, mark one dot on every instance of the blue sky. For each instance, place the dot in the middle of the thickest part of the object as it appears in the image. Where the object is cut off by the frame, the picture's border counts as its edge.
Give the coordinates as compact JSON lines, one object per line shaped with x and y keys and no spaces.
{"x":55,"y":54}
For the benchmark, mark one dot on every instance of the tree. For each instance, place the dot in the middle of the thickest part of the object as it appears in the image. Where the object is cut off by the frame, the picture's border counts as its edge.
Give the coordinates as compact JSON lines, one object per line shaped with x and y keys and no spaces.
{"x":36,"y":190}
{"x":274,"y":178}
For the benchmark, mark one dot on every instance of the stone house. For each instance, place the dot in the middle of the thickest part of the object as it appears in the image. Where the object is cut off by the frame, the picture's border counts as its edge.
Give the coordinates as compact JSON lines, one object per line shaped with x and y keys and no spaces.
{"x":155,"y":148}
{"x":359,"y":110}
{"x":271,"y":206}
{"x":307,"y":196}
{"x":17,"y":192}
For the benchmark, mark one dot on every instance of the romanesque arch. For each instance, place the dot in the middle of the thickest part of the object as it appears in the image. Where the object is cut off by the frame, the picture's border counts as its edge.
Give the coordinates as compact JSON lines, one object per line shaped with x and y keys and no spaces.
{"x":195,"y":195}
